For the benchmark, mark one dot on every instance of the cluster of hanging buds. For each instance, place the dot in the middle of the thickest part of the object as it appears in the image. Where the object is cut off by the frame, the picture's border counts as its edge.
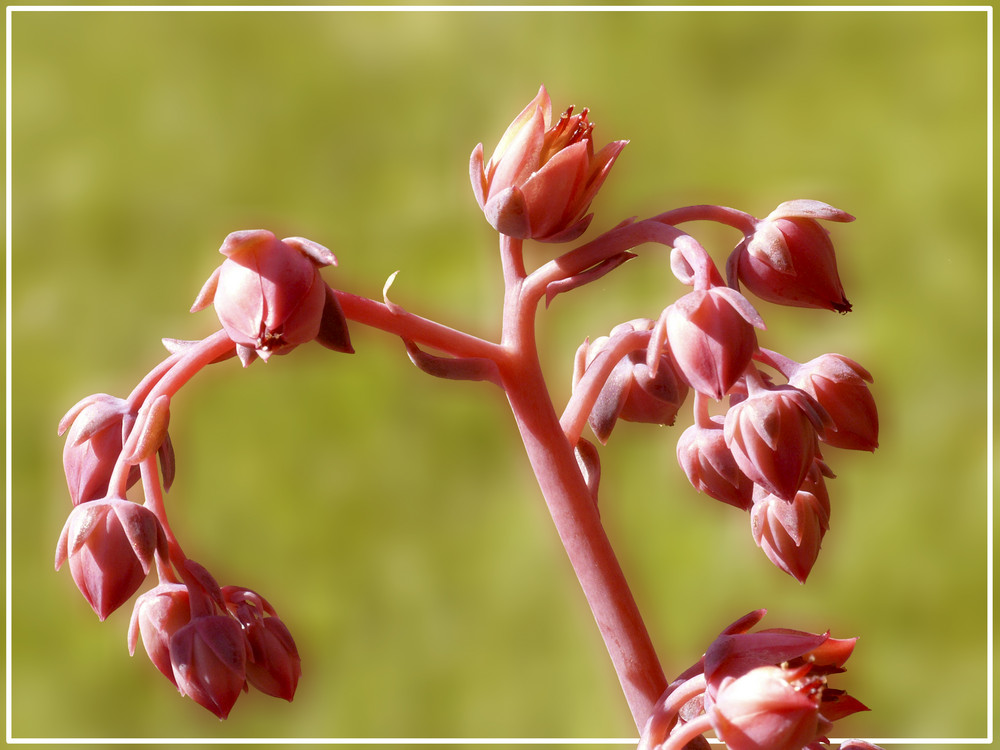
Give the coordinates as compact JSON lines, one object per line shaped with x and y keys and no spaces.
{"x":211,"y":642}
{"x":763,"y":454}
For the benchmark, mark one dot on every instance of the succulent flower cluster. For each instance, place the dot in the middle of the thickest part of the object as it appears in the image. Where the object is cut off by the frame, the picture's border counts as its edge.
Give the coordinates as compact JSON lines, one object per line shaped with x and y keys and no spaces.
{"x":211,"y":642}
{"x":760,"y":423}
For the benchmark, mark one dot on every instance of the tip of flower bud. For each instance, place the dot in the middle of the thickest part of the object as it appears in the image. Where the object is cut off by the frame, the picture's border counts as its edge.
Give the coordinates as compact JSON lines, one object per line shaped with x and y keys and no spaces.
{"x":244,"y":239}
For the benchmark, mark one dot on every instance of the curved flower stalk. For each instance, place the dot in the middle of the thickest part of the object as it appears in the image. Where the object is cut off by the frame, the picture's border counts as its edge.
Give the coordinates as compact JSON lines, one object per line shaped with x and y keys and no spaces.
{"x":759,"y":451}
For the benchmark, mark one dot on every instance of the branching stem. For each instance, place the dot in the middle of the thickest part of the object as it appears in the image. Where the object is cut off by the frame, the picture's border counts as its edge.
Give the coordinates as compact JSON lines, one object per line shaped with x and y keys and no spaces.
{"x":569,"y":500}
{"x":551,"y":455}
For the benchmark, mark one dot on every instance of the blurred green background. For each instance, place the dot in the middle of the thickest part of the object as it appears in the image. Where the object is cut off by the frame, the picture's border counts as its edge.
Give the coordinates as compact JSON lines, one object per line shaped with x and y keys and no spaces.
{"x":391,"y":518}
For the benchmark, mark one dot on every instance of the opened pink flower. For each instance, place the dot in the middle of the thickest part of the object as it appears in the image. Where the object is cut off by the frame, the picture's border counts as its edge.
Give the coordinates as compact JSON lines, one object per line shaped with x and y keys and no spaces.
{"x":542,"y":177}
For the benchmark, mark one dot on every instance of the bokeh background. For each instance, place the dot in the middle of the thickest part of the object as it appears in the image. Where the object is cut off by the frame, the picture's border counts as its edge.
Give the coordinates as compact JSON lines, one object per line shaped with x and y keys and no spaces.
{"x":391,"y":518}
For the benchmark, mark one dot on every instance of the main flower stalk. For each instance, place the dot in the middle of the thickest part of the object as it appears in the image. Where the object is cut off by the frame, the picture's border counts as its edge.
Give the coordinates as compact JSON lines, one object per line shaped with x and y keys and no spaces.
{"x":569,"y":499}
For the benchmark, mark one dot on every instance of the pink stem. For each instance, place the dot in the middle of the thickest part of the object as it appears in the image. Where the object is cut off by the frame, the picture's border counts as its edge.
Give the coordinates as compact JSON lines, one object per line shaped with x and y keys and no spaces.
{"x":608,"y":245}
{"x":702,"y":418}
{"x":585,"y":394}
{"x":139,"y":393}
{"x":154,"y":501}
{"x":191,"y":361}
{"x":686,"y":732}
{"x":684,"y":692}
{"x":179,"y":371}
{"x":664,"y":717}
{"x":569,"y":500}
{"x":779,"y":362}
{"x":414,"y":328}
{"x":550,"y":454}
{"x":720,"y":214}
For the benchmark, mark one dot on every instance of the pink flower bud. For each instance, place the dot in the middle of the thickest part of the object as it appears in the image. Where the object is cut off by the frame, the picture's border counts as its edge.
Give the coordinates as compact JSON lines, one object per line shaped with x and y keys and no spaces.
{"x":110,"y":545}
{"x":542,"y":178}
{"x":712,"y":338}
{"x":157,"y":615}
{"x":790,"y":533}
{"x":710,"y":467}
{"x":93,"y":444}
{"x":633,"y":392}
{"x":273,"y":665}
{"x":790,"y":260}
{"x":209,"y":662}
{"x":269,"y":295}
{"x":839,"y":385}
{"x":768,"y":707}
{"x":772,"y":434}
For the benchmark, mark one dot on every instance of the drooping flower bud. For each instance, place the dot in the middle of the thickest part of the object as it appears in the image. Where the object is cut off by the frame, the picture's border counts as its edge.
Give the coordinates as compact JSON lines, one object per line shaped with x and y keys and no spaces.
{"x":710,"y":467}
{"x":711,"y":335}
{"x":208,"y":656}
{"x":633,"y":392}
{"x":269,"y":295}
{"x":157,"y":615}
{"x":93,"y":444}
{"x":273,"y":665}
{"x":110,"y":545}
{"x":773,"y":436}
{"x":839,"y":385}
{"x":542,"y":177}
{"x":790,"y":532}
{"x":790,"y":259}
